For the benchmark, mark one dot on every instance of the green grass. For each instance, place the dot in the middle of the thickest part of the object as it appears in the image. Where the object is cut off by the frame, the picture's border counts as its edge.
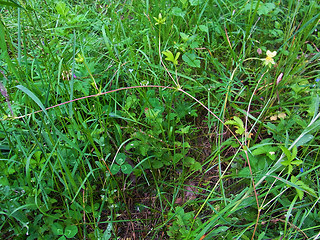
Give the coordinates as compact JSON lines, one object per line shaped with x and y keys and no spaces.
{"x":159,"y":119}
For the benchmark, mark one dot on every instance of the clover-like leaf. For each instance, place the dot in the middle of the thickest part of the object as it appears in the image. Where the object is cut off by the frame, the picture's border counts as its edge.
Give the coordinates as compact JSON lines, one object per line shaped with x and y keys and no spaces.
{"x":57,"y":228}
{"x":121,"y":158}
{"x":126,"y":168}
{"x":70,"y":231}
{"x":115,"y":168}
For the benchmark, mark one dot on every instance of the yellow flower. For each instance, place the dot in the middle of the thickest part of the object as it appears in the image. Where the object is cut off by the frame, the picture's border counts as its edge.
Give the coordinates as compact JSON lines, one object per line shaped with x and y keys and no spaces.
{"x":79,"y":58}
{"x":160,"y":19}
{"x":268,"y":61}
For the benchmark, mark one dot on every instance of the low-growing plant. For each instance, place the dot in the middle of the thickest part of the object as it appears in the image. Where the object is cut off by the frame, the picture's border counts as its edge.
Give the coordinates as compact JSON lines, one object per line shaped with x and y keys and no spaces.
{"x":190,"y":119}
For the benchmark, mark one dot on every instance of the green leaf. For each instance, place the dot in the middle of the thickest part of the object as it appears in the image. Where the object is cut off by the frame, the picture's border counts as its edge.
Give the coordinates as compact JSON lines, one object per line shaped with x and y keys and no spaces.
{"x":231,"y":122}
{"x":264,"y":150}
{"x":286,"y":162}
{"x":176,"y":58}
{"x":184,"y":130}
{"x":184,"y":2}
{"x":186,"y":145}
{"x":57,"y":228}
{"x":239,"y":121}
{"x":115,"y":168}
{"x":177,"y":157}
{"x":294,"y":152}
{"x":196,"y":167}
{"x":286,"y":152}
{"x":266,"y":8}
{"x":157,"y":164}
{"x":107,"y":233}
{"x":188,"y":161}
{"x":304,"y":140}
{"x":10,"y":3}
{"x":126,"y":168}
{"x":178,"y":12}
{"x":133,"y":144}
{"x":204,"y":28}
{"x":244,"y":172}
{"x":184,"y":36}
{"x":297,"y":162}
{"x":195,"y":2}
{"x":120,"y":158}
{"x":62,"y":8}
{"x":170,"y":57}
{"x":191,"y":59}
{"x":33,"y":97}
{"x":70,"y":231}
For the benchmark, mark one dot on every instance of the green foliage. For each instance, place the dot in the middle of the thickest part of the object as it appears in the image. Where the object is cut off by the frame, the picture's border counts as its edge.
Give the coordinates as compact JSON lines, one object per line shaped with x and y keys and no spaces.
{"x":171,"y":58}
{"x":182,"y":225}
{"x":121,"y":165}
{"x":237,"y":122}
{"x":122,"y":112}
{"x":290,"y":158}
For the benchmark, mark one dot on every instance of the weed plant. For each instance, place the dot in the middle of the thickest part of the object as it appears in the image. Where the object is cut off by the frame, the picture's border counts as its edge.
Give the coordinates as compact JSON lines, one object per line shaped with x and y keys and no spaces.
{"x":138,"y":119}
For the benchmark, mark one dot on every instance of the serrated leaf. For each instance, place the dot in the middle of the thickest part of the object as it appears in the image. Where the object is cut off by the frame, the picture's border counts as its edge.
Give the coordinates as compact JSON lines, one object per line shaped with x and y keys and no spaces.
{"x":240,"y":130}
{"x":237,"y":122}
{"x":298,"y":183}
{"x":196,"y":167}
{"x":191,"y":59}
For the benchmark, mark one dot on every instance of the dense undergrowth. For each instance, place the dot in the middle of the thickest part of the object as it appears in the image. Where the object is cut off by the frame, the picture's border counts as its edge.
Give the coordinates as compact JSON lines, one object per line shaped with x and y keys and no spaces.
{"x":138,"y":119}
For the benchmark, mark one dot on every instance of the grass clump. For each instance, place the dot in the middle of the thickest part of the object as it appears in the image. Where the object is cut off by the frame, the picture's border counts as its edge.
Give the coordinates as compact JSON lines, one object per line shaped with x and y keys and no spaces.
{"x":159,"y":120}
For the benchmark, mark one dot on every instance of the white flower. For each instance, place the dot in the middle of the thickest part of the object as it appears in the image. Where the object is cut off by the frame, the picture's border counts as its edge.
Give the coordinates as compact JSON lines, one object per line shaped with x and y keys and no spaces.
{"x":268,"y":61}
